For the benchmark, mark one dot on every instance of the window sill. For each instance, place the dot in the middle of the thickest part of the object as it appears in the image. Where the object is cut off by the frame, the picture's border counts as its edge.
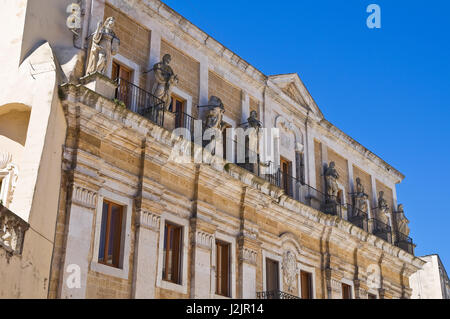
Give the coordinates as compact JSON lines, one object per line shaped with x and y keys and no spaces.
{"x":109,"y":270}
{"x":216,"y":296}
{"x":181,"y":288}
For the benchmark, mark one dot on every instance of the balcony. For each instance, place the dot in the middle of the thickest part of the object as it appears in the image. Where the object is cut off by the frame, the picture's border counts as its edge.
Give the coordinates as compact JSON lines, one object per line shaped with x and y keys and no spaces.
{"x":404,"y":242}
{"x":12,"y":231}
{"x":274,"y":294}
{"x":380,"y":229}
{"x":140,"y":101}
{"x":357,"y":217}
{"x":152,"y":108}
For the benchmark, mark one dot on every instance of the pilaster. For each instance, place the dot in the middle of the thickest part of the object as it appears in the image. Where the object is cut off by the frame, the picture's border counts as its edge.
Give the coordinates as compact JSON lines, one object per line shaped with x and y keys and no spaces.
{"x":145,"y":265}
{"x":79,"y":235}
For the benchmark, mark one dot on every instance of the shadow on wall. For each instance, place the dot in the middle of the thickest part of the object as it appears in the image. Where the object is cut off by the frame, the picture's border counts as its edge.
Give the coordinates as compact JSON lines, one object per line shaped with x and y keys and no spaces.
{"x":14,"y":120}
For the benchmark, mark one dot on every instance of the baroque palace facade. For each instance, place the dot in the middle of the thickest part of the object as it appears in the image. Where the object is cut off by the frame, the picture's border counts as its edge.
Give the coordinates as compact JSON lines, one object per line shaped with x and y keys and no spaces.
{"x":93,"y":204}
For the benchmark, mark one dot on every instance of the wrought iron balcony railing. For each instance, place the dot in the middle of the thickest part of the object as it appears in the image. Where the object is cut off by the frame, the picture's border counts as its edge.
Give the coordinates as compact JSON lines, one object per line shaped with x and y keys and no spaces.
{"x":183,"y":120}
{"x":274,"y":294}
{"x":140,"y":101}
{"x":149,"y":106}
{"x":381,"y":229}
{"x":404,"y":242}
{"x":357,"y":217}
{"x":12,"y":231}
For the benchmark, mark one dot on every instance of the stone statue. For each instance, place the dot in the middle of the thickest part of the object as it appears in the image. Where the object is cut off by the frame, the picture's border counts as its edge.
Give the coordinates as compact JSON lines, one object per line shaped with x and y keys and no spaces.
{"x":215,"y":113}
{"x":331,"y":177}
{"x":104,"y":45}
{"x":383,"y":208}
{"x":402,"y":221}
{"x":360,"y":197}
{"x":253,"y":120}
{"x":165,"y":79}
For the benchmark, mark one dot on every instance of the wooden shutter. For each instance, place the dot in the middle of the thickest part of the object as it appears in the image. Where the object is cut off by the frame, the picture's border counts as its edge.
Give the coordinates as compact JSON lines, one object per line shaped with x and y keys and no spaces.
{"x":271,"y":275}
{"x":306,"y":282}
{"x":222,"y":269}
{"x":346,"y":292}
{"x":176,"y":254}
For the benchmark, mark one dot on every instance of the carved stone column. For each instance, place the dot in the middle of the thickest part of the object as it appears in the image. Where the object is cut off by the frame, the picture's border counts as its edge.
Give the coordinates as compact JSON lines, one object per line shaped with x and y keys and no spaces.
{"x":79,"y":240}
{"x":146,"y":250}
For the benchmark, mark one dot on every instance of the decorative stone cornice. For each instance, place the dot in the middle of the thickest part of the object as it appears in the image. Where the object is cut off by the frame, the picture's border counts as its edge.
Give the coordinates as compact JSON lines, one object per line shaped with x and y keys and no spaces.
{"x":148,"y":220}
{"x":84,"y":197}
{"x":204,"y":239}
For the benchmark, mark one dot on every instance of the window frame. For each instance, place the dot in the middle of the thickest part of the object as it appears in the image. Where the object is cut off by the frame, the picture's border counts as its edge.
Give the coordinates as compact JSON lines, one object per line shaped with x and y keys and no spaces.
{"x":279,"y":259}
{"x":222,"y":243}
{"x":231,"y":240}
{"x":350,"y":290}
{"x":311,"y":285}
{"x":173,"y":99}
{"x":167,"y":226}
{"x":302,"y":266}
{"x":116,"y":249}
{"x":184,"y":223}
{"x":127,"y":204}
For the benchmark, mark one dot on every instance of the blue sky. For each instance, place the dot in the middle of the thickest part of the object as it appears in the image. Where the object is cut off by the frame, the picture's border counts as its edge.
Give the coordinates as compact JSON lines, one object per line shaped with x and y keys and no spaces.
{"x":388,"y":88}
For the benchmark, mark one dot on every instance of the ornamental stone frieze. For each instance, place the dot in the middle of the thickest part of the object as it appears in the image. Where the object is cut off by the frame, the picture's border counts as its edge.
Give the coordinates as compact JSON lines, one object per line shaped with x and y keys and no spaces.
{"x":248,"y":255}
{"x":84,"y":197}
{"x":336,"y":285}
{"x":204,"y":239}
{"x":148,"y":220}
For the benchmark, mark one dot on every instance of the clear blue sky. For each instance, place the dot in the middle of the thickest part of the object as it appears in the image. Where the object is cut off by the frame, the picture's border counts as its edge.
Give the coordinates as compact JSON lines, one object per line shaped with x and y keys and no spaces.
{"x":388,"y":88}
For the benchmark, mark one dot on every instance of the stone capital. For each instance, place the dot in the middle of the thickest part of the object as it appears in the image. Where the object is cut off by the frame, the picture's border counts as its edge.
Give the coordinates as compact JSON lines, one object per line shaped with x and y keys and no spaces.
{"x":84,"y":197}
{"x":204,"y":240}
{"x":148,"y":220}
{"x":248,"y":255}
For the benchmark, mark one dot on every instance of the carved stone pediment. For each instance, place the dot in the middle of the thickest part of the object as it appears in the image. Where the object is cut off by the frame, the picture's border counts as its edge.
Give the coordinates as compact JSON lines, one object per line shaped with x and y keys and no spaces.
{"x":295,"y":90}
{"x":291,"y":91}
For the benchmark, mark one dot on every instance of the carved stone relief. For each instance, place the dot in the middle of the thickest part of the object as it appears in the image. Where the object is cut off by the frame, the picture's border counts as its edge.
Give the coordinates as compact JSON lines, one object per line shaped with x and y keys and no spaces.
{"x":290,"y":270}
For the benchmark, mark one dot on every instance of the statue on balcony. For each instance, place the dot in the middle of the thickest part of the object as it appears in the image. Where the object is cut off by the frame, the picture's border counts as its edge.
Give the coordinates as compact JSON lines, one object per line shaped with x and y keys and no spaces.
{"x":383,"y":208}
{"x":402,"y":221}
{"x":215,"y":113}
{"x":253,"y":120}
{"x":331,"y":177}
{"x":104,"y":45}
{"x":165,"y":79}
{"x":360,"y":197}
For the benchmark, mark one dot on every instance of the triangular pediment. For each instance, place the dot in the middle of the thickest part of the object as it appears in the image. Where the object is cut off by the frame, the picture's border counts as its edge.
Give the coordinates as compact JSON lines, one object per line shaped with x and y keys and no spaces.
{"x":291,"y":91}
{"x":293,"y":88}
